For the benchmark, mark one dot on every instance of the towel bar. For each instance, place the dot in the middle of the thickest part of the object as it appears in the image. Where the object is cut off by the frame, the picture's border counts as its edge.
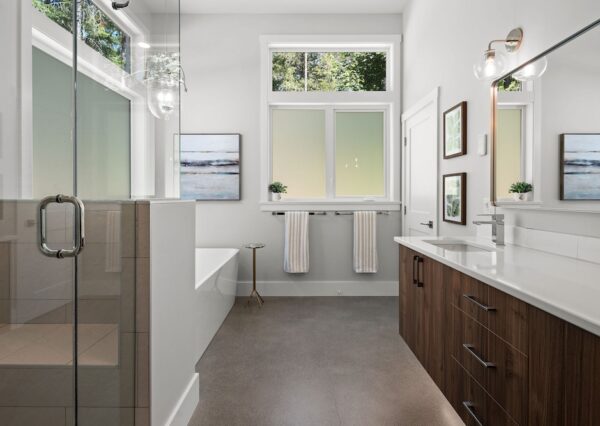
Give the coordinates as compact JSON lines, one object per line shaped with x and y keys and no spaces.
{"x":310,"y":213}
{"x":337,"y":213}
{"x":350,"y":213}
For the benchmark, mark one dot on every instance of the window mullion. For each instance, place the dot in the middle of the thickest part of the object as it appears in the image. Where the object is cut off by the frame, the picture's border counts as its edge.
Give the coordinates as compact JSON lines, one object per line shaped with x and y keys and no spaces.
{"x":330,"y":151}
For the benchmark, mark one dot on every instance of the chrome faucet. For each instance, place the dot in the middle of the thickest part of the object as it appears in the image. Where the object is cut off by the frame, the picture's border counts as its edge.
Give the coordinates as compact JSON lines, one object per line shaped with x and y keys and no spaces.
{"x":497,"y":222}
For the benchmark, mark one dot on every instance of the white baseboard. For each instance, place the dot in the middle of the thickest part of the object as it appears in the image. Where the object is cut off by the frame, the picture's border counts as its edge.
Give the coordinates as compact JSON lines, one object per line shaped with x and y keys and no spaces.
{"x":186,"y":404}
{"x":320,"y":288}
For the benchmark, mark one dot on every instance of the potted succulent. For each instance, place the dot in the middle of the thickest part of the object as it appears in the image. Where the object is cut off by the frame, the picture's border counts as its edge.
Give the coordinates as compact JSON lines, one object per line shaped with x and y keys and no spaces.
{"x":521,"y":191}
{"x":277,"y":188}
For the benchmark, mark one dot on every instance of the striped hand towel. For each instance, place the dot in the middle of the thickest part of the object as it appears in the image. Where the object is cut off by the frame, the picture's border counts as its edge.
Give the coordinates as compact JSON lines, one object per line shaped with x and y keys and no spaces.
{"x":365,"y":242}
{"x":296,"y":243}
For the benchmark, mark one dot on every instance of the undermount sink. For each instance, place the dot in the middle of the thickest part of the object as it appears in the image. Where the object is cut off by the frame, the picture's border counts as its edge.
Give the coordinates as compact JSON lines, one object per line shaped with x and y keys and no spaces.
{"x":459,"y":246}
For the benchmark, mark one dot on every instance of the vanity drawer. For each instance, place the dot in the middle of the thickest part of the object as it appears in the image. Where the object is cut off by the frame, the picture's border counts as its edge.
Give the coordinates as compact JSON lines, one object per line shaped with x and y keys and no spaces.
{"x":503,"y":314}
{"x":472,"y":403}
{"x":498,"y":367}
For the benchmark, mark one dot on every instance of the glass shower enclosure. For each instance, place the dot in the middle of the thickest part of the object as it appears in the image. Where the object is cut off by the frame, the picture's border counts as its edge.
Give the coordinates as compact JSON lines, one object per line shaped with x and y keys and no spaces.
{"x":89,"y":106}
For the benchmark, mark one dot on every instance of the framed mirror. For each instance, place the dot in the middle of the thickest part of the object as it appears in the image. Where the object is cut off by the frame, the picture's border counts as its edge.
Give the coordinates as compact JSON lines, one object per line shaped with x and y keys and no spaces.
{"x":545,"y":148}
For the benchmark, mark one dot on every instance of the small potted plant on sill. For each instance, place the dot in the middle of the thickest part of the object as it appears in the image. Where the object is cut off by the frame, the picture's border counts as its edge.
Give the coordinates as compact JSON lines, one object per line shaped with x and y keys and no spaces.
{"x":521,"y":191}
{"x":277,"y":188}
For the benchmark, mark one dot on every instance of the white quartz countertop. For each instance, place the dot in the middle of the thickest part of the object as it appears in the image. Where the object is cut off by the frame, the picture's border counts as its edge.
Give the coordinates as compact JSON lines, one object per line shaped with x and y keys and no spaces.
{"x":562,"y":286}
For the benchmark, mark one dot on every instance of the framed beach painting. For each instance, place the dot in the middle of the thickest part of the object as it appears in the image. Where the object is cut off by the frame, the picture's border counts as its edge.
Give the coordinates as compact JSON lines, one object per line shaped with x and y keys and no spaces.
{"x":210,"y":167}
{"x":455,"y":198}
{"x":580,"y":166}
{"x":455,"y":131}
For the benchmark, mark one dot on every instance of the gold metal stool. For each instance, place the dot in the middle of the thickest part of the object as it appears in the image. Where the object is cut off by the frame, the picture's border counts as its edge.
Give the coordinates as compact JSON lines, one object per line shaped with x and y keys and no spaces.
{"x":254,"y":294}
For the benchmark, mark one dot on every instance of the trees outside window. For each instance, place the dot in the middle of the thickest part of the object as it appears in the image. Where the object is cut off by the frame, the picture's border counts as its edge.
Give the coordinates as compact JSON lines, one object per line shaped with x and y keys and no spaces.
{"x":96,"y":28}
{"x":329,"y":71}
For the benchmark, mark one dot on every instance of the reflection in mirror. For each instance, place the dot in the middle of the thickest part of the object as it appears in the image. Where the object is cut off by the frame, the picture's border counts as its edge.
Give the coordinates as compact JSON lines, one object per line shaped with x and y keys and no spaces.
{"x":555,"y":94}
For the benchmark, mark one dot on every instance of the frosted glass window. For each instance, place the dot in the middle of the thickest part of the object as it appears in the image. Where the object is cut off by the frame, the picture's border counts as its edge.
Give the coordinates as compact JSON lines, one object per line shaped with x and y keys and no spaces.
{"x":509,"y":131}
{"x":359,"y":154}
{"x":103,"y":144}
{"x":298,"y":144}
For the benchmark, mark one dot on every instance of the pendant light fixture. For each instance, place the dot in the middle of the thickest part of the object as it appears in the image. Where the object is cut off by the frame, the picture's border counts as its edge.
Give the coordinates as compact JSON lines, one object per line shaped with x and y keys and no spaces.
{"x":163,"y":77}
{"x":494,"y":63}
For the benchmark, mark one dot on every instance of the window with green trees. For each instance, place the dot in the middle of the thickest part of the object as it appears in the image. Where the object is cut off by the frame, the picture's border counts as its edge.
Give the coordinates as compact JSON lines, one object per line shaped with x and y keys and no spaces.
{"x":329,"y":71}
{"x":509,"y":84}
{"x":96,"y":28}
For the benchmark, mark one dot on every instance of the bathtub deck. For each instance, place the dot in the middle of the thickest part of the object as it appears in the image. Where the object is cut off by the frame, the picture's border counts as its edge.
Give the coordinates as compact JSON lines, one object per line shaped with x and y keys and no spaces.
{"x":316,"y":361}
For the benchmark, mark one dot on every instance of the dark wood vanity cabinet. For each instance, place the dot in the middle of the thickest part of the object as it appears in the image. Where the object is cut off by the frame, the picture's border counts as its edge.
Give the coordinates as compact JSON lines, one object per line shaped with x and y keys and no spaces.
{"x":422,"y":310}
{"x":498,"y":360}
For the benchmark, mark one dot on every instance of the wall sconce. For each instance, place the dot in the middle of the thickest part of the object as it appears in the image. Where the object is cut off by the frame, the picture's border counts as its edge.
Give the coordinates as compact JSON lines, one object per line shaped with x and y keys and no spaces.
{"x":532,"y":71}
{"x":493,"y":63}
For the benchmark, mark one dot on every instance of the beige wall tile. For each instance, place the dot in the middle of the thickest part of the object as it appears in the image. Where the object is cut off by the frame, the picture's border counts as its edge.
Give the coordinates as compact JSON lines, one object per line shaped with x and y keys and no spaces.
{"x":142,"y":417}
{"x":142,"y":213}
{"x":143,"y":370}
{"x":32,"y":416}
{"x":142,"y":291}
{"x":104,"y":416}
{"x":107,"y":386}
{"x":128,"y":230}
{"x":35,"y":387}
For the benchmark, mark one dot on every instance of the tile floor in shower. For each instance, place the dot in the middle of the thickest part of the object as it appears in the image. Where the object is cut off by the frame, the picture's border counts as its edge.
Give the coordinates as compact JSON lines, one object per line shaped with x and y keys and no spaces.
{"x":52,"y":344}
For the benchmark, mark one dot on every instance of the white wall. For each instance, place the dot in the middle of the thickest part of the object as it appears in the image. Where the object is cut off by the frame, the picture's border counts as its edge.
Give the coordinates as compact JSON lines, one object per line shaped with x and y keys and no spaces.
{"x":221,"y":57}
{"x":174,"y":388}
{"x":442,"y":41}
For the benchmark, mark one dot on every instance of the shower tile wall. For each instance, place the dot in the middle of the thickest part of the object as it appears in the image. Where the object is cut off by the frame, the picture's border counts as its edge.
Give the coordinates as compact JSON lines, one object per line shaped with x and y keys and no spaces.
{"x":36,"y":319}
{"x":142,"y":249}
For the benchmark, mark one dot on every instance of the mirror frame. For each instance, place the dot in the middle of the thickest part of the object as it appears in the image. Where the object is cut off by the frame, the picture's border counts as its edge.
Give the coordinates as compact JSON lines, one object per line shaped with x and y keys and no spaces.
{"x":494,"y":99}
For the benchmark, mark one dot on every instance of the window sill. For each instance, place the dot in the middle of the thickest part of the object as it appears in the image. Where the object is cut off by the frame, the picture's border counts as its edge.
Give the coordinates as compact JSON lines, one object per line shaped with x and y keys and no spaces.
{"x":283,"y":205}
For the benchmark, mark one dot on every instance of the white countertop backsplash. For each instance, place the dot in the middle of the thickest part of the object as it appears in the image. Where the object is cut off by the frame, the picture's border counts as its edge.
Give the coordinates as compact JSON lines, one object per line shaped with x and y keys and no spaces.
{"x":566,"y":284}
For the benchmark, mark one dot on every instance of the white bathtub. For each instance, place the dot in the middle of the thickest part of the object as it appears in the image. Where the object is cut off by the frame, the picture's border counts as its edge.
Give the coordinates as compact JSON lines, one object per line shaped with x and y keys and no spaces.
{"x":216,"y":285}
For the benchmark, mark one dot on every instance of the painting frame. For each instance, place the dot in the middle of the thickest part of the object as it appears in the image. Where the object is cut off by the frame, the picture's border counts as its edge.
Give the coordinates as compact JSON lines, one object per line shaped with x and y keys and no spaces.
{"x":451,"y":151}
{"x":234,"y":188}
{"x":461,"y":193}
{"x":565,"y":193}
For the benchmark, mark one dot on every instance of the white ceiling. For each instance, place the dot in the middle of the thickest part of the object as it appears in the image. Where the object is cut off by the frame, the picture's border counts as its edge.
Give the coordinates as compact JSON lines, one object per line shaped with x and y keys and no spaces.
{"x":282,"y":6}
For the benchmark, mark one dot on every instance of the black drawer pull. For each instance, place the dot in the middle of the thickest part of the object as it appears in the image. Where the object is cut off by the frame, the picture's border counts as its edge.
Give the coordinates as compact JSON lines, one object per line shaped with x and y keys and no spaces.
{"x":480,"y":305}
{"x":470,"y":409}
{"x":471,"y":350}
{"x":415,"y":270}
{"x":420,"y":261}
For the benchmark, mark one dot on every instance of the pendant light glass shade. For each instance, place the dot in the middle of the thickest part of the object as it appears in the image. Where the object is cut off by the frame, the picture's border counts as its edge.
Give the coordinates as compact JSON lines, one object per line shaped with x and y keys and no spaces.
{"x":163,"y":98}
{"x":491,"y":66}
{"x":163,"y":77}
{"x":532,"y":71}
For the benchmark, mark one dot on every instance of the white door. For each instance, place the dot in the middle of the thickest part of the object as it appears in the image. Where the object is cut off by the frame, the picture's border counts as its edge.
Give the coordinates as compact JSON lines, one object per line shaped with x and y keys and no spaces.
{"x":420,"y":167}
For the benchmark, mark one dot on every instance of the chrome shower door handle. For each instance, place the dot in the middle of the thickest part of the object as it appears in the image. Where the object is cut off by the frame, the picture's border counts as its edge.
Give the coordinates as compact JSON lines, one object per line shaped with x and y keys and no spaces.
{"x":78,"y":233}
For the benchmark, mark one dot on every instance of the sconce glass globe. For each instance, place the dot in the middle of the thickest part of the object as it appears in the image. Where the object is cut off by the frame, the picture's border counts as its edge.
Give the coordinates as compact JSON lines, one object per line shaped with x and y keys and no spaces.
{"x":492,"y":65}
{"x":532,"y":71}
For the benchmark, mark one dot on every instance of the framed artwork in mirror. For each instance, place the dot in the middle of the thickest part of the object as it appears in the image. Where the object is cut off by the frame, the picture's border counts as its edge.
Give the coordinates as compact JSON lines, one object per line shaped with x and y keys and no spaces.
{"x":580,"y":166}
{"x":209,"y":167}
{"x":455,"y":131}
{"x":455,"y":198}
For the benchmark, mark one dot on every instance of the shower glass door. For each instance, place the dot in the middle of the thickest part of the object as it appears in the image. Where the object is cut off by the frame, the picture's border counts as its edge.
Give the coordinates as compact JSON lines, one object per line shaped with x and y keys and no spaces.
{"x":75,"y":120}
{"x":37,"y":292}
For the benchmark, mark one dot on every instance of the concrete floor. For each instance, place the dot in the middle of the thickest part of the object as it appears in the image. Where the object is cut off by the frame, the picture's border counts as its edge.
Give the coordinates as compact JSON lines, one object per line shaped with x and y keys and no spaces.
{"x":316,"y":361}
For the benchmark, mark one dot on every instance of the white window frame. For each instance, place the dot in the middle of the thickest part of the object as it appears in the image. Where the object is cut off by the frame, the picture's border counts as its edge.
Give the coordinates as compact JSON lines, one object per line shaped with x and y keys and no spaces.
{"x":386,"y":101}
{"x":54,"y":40}
{"x":527,"y":100}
